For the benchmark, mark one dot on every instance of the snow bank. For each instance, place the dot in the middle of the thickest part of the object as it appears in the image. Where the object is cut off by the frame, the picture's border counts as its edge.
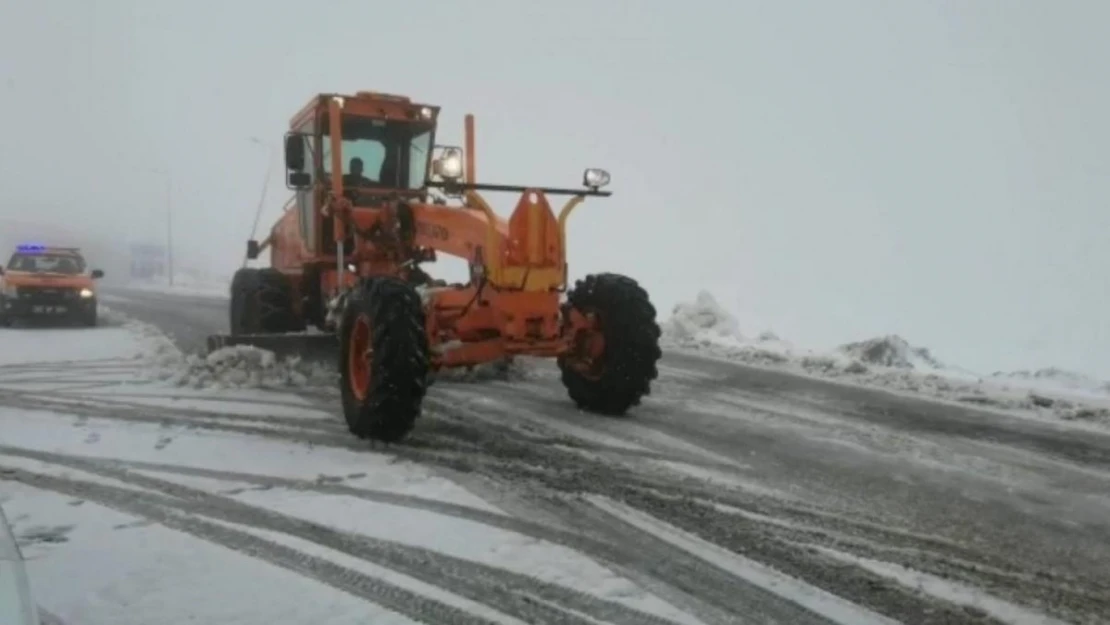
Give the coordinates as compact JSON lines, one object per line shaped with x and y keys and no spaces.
{"x":889,"y":362}
{"x":231,"y":367}
{"x":891,"y":351}
{"x":243,"y":366}
{"x":1055,"y":377}
{"x":703,"y":320}
{"x":705,"y":325}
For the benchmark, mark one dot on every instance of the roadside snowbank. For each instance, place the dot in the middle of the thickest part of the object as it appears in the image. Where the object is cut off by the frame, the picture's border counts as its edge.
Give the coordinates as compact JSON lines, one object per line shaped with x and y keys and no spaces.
{"x":889,"y":362}
{"x":1055,"y":378}
{"x":891,"y":351}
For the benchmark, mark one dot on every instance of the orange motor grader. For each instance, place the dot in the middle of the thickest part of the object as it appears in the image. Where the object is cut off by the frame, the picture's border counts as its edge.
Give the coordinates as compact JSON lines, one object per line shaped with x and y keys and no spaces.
{"x":374,"y":198}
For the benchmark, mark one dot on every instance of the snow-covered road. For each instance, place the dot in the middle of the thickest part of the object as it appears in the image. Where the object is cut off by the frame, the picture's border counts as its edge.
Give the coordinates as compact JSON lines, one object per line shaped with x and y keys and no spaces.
{"x":735,"y":495}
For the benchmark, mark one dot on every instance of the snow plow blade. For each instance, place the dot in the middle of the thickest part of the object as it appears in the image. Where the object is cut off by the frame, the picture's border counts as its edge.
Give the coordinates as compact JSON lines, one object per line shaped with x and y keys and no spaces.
{"x":308,"y":347}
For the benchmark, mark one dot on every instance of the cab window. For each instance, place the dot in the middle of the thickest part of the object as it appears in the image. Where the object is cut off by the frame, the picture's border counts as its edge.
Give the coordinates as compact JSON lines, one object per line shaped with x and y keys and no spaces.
{"x":67,"y":264}
{"x":393,"y":154}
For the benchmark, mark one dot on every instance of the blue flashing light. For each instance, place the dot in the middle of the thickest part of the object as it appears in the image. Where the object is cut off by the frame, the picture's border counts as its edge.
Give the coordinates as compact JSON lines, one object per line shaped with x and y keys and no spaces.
{"x":30,"y":248}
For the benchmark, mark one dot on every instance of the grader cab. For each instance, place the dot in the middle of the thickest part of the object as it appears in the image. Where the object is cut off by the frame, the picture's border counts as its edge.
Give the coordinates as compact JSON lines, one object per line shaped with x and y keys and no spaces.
{"x":374,"y":198}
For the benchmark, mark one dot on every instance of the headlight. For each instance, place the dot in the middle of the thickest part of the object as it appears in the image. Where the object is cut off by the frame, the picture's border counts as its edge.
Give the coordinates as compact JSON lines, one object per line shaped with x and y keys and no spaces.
{"x":595,"y":178}
{"x":11,"y":291}
{"x":450,"y":165}
{"x":86,"y":293}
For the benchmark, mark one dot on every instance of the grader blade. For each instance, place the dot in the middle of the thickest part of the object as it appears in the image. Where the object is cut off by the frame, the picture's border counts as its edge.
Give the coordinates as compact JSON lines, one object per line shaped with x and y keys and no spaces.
{"x":322,"y":347}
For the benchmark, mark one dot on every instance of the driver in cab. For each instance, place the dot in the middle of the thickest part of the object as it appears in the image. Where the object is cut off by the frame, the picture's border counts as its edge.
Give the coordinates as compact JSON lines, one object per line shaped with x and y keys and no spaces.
{"x":355,"y":181}
{"x":355,"y":178}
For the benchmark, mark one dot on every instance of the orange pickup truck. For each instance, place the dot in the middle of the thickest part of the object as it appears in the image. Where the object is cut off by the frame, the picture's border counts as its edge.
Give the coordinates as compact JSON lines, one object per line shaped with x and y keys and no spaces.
{"x":43,"y":280}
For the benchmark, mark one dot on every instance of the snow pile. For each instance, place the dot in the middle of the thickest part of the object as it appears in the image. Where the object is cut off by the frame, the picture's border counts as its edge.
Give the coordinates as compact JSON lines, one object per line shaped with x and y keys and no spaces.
{"x":1054,"y":376}
{"x":891,"y":351}
{"x":705,"y":326}
{"x":702,"y":321}
{"x":238,"y":366}
{"x":888,"y":362}
{"x":243,"y":366}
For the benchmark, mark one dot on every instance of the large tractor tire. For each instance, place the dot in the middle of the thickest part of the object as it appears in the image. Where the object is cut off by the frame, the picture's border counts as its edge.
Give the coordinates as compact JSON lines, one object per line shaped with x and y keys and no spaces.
{"x":612,"y":364}
{"x":262,"y":303}
{"x":383,"y":359}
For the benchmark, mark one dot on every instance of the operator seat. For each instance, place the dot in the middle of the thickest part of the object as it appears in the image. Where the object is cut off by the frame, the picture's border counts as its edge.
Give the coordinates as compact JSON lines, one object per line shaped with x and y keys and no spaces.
{"x":388,"y":176}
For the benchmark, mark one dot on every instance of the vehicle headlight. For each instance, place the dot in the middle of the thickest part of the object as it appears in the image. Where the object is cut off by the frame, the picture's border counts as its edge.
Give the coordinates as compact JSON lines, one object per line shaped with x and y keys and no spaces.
{"x":595,"y":178}
{"x":450,"y":165}
{"x":86,"y":293}
{"x":11,"y":291}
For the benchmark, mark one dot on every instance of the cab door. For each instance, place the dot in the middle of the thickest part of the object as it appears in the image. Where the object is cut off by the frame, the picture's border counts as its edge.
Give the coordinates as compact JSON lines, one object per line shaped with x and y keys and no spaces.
{"x":306,"y":197}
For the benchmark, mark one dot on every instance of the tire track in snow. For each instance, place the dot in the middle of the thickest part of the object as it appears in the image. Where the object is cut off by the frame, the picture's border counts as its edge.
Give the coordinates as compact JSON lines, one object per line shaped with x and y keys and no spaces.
{"x":631,"y":560}
{"x":441,"y":443}
{"x":505,"y":419}
{"x":505,"y":591}
{"x":667,"y":498}
{"x":253,"y":401}
{"x":325,"y":432}
{"x":505,"y":451}
{"x":162,"y":510}
{"x":90,"y":364}
{"x":632,"y":564}
{"x":283,"y":428}
{"x":722,"y":592}
{"x":780,"y":593}
{"x":905,"y":413}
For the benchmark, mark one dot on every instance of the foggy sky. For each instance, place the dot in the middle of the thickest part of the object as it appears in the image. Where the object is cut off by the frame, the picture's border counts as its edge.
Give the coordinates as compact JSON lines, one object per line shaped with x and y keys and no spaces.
{"x":830,"y":170}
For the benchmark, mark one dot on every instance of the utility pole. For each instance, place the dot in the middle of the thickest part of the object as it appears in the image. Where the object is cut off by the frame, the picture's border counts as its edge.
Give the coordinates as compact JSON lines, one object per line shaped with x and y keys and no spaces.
{"x":169,"y":221}
{"x":169,"y":227}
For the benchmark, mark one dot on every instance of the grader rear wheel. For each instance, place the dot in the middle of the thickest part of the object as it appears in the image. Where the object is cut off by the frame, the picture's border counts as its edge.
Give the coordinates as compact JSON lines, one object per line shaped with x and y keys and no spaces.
{"x":383,"y":359}
{"x":616,"y":348}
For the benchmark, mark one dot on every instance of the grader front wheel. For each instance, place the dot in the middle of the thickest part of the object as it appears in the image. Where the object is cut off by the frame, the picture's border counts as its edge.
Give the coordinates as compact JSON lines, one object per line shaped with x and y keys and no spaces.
{"x":616,"y":344}
{"x":383,"y":359}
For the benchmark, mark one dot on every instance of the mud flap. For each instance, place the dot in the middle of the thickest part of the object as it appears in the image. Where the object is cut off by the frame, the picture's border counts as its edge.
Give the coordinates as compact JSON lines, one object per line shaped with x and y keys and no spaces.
{"x":322,"y":347}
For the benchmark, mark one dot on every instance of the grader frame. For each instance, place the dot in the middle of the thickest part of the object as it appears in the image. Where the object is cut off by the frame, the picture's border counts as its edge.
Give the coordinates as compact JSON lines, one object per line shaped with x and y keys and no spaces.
{"x":345,"y":256}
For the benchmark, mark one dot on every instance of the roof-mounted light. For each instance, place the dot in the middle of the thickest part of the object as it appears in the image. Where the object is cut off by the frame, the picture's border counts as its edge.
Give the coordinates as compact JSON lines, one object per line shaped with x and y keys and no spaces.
{"x":30,"y":248}
{"x":449,"y":166}
{"x":595,"y":178}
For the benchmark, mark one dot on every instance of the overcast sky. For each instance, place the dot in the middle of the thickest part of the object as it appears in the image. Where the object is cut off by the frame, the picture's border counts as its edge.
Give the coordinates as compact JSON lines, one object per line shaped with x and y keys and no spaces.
{"x":830,"y":170}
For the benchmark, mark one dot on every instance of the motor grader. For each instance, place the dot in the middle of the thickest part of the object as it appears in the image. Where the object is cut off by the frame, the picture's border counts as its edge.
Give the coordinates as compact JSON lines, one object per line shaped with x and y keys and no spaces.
{"x":374,"y":197}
